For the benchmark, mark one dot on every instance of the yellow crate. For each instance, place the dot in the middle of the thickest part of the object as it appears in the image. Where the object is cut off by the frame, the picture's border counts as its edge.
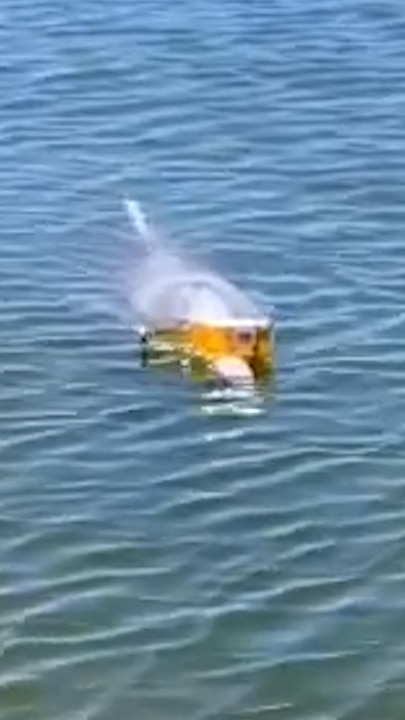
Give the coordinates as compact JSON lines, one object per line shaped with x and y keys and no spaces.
{"x":249,"y":340}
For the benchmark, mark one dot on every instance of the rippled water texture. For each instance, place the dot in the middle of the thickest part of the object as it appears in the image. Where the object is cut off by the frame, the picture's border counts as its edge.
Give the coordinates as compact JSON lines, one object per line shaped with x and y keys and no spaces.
{"x":161,"y":556}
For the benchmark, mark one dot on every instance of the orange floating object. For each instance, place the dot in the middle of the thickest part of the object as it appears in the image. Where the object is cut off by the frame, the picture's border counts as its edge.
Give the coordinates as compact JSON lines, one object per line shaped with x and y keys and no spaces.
{"x":215,"y":344}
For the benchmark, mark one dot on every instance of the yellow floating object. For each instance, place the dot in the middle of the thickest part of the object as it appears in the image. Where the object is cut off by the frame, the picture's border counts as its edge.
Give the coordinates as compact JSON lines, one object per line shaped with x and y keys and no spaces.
{"x":250,"y":341}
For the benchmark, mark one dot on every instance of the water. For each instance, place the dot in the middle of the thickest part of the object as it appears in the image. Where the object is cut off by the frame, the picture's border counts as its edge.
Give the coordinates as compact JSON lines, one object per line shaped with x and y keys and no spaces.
{"x":160,"y":561}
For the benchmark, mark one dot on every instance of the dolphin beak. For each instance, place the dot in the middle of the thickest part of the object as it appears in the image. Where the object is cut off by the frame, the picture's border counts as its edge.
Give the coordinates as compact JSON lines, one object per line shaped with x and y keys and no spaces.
{"x":232,"y":369}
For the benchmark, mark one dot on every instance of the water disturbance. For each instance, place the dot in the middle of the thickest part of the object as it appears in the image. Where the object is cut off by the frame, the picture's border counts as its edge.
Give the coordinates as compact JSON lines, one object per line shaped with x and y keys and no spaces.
{"x":171,"y":550}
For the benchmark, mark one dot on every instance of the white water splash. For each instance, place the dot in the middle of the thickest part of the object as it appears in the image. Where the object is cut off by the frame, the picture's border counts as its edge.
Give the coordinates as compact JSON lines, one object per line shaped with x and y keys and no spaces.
{"x":169,"y":287}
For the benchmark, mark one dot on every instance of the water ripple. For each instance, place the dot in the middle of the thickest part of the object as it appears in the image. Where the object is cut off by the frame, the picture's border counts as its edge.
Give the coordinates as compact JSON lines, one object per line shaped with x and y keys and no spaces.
{"x":169,"y":551}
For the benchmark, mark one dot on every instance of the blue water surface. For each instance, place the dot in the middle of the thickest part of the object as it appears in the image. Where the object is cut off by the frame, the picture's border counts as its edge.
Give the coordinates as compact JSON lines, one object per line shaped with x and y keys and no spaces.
{"x":165,"y":553}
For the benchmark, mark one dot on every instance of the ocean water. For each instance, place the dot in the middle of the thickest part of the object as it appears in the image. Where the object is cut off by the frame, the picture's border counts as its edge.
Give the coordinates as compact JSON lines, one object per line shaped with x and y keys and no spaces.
{"x":165,"y":553}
